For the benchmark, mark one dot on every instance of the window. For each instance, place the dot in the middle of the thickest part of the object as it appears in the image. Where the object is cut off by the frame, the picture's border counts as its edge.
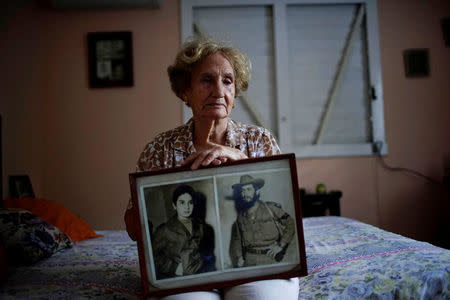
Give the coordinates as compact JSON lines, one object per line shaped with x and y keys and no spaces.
{"x":316,"y":80}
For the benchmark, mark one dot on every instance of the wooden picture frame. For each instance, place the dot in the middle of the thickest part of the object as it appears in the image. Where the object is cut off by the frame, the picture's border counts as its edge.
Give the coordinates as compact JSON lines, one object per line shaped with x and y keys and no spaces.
{"x":216,"y":251}
{"x":110,"y":59}
{"x":417,"y":62}
{"x":20,"y":186}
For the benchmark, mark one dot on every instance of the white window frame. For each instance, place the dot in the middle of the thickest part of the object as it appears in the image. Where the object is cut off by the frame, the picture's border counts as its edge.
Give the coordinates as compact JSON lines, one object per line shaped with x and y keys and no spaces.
{"x":282,"y":81}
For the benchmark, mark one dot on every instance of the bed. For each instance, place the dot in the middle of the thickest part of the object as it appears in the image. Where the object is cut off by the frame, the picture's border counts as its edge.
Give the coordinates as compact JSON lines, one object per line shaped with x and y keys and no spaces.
{"x":346,"y":259}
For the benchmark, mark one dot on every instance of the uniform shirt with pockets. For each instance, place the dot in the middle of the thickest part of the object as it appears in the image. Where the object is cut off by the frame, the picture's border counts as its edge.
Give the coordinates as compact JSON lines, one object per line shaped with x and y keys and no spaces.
{"x":260,"y":230}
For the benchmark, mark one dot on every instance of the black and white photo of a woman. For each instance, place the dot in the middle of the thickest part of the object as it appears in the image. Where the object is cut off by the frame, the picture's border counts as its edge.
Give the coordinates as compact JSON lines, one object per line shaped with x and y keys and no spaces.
{"x":184,"y":245}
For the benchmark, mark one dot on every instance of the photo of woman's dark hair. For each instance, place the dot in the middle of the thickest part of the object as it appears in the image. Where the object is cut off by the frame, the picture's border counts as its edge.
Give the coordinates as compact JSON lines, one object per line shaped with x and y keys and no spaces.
{"x":182,"y":189}
{"x":185,"y":243}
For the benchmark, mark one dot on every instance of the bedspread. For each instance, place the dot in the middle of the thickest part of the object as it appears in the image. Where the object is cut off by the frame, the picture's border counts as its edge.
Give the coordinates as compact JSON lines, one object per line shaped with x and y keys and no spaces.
{"x":346,"y":259}
{"x":100,"y":268}
{"x":352,"y":260}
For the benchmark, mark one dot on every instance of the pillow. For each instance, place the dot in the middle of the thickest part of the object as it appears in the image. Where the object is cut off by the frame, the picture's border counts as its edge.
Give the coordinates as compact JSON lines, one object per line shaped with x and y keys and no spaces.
{"x":27,"y":238}
{"x":57,"y":215}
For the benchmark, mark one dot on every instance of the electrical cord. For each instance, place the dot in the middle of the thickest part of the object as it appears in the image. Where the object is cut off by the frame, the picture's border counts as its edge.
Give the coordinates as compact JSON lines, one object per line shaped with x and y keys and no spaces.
{"x":377,"y":148}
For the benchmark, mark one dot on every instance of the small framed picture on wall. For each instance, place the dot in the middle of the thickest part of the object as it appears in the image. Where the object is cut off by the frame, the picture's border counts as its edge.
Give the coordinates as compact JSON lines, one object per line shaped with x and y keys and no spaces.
{"x":110,"y":59}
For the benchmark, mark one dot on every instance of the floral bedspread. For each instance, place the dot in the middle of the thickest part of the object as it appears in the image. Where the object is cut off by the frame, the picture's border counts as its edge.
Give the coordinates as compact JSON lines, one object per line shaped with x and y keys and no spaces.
{"x":346,"y":260}
{"x":352,"y":260}
{"x":99,"y":268}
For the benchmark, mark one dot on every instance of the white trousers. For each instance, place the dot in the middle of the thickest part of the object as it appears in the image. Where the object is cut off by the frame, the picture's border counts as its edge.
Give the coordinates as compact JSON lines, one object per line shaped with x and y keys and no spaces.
{"x":257,"y":290}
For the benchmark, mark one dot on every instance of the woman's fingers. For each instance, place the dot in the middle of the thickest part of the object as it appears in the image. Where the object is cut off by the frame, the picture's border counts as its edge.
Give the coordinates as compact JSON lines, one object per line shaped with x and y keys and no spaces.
{"x":216,"y":162}
{"x":190,"y":158}
{"x":215,"y":155}
{"x":204,"y":158}
{"x":195,"y":159}
{"x":223,"y":159}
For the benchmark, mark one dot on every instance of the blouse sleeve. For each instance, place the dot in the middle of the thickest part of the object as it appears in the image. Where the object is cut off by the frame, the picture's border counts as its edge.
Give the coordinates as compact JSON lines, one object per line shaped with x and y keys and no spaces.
{"x":144,"y":161}
{"x":270,"y":144}
{"x":153,"y":156}
{"x":266,"y":145}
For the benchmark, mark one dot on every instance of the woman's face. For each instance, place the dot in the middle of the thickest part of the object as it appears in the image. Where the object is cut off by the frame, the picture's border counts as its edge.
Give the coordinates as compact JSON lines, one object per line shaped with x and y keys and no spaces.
{"x":212,"y":90}
{"x":184,"y":206}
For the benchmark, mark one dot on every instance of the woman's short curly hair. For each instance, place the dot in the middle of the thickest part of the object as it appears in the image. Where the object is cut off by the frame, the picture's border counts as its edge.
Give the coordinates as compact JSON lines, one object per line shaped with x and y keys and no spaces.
{"x":194,"y":51}
{"x":180,"y":190}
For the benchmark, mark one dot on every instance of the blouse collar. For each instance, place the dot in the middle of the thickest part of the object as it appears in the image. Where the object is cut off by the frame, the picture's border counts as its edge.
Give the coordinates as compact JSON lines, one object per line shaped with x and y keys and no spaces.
{"x":184,"y":142}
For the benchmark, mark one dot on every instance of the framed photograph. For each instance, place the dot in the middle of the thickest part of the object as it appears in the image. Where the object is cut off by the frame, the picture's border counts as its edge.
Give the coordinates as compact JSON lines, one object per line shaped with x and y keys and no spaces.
{"x":218,"y":226}
{"x":110,"y":59}
{"x":417,"y":62}
{"x":20,"y":186}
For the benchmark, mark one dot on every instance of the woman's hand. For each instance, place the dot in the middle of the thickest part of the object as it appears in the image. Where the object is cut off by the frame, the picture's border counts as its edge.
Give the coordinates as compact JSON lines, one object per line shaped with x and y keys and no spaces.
{"x":213,"y":154}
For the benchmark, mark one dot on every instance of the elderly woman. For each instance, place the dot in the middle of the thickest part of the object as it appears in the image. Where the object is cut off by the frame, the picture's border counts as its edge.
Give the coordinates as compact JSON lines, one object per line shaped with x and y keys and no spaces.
{"x":183,"y":245}
{"x":206,"y":76}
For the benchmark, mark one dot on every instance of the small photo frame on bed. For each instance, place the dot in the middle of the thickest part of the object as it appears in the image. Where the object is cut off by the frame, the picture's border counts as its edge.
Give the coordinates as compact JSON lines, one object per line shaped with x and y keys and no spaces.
{"x":218,"y":226}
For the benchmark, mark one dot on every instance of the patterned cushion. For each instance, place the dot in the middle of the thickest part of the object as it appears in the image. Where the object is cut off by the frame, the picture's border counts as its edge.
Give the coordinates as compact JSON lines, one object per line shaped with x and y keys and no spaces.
{"x":28,"y":238}
{"x":56,"y":214}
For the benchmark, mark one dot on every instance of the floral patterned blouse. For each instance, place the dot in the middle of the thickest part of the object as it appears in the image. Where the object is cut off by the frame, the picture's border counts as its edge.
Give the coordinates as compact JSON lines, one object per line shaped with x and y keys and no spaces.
{"x":169,"y":149}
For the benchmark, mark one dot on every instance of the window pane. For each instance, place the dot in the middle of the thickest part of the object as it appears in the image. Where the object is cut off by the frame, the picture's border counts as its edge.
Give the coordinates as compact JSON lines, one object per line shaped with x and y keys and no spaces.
{"x":250,"y":29}
{"x":317,"y":35}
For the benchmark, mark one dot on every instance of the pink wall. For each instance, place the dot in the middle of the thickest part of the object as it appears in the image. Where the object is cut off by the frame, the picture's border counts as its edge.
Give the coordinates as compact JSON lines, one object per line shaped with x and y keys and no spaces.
{"x":79,"y":144}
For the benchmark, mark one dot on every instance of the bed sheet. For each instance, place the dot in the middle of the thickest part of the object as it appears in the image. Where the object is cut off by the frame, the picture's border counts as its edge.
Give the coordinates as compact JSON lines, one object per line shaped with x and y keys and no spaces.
{"x":346,"y":259}
{"x":99,"y":268}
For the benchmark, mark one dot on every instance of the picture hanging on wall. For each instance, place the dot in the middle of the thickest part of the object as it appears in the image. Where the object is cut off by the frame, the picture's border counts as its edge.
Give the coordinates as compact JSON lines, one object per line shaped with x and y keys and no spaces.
{"x":110,"y":59}
{"x":417,"y":62}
